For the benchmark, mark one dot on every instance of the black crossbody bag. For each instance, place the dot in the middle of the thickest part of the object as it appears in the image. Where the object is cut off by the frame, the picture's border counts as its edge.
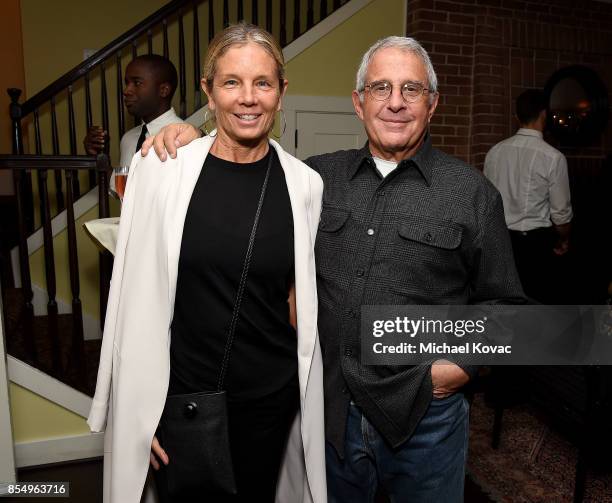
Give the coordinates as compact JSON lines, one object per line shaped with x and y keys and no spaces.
{"x":193,"y":429}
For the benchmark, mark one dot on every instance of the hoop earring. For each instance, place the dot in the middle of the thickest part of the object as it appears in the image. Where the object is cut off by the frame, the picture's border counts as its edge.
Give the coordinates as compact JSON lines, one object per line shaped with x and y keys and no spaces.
{"x":284,"y":122}
{"x":206,"y":121}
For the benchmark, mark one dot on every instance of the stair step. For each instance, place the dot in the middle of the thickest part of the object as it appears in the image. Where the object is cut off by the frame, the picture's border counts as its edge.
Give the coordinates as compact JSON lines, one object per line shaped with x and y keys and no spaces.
{"x":32,"y":341}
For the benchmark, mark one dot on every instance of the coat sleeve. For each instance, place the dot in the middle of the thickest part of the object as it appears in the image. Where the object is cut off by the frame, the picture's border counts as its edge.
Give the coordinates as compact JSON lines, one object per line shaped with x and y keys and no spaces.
{"x":99,"y":408}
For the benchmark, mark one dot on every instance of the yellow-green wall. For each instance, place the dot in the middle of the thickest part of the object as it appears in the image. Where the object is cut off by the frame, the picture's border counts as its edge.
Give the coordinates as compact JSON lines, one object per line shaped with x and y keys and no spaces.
{"x":325,"y":69}
{"x":35,"y":418}
{"x":328,"y":67}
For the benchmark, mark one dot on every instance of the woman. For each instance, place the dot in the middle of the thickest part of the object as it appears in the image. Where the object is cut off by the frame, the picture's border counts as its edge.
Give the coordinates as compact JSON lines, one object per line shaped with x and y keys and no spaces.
{"x":180,"y":252}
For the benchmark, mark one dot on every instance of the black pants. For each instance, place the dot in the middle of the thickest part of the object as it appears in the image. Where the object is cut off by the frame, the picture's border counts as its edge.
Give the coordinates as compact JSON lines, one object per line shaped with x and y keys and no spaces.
{"x":536,"y":263}
{"x":258,"y":431}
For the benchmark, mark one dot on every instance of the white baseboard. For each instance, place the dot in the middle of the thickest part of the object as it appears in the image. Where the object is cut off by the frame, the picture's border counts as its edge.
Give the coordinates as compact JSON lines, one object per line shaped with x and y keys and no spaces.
{"x":57,"y":450}
{"x":48,"y":387}
{"x":60,"y":449}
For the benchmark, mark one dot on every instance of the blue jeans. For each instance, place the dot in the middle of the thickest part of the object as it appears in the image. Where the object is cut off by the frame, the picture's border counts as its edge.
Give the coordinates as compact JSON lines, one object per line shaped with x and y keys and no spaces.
{"x":428,"y":467}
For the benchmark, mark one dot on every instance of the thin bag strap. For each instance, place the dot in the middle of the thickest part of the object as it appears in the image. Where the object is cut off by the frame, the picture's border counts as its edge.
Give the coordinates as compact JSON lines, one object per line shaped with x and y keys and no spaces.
{"x":243,"y":279}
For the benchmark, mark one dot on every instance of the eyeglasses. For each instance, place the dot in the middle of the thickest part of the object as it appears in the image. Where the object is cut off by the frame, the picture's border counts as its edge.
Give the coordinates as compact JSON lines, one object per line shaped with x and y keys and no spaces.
{"x":411,"y":91}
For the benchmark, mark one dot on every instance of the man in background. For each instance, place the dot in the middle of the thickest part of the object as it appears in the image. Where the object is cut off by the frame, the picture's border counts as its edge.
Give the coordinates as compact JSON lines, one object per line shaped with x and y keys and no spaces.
{"x":532,"y":178}
{"x":150,"y":82}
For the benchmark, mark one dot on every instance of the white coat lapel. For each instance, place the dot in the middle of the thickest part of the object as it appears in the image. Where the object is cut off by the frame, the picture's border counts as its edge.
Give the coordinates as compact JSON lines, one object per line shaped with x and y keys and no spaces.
{"x":187,"y":171}
{"x":298,"y":186}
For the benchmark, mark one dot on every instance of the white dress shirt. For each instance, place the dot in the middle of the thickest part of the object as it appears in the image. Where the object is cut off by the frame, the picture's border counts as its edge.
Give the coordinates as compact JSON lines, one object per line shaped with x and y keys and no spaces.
{"x":532,"y":178}
{"x":130,"y":138}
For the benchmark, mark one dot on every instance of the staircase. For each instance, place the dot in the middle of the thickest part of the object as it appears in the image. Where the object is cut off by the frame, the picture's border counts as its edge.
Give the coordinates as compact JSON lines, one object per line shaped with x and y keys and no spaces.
{"x":54,"y":176}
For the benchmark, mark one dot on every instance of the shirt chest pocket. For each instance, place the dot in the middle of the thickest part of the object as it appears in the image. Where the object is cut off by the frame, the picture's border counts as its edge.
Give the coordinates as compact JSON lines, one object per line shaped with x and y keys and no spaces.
{"x":427,"y":259}
{"x":332,"y":219}
{"x":430,"y":233}
{"x":331,"y":236}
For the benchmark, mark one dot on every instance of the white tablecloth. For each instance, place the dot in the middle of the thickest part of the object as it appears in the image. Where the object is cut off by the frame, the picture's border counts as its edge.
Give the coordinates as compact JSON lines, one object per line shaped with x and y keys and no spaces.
{"x":103,"y":232}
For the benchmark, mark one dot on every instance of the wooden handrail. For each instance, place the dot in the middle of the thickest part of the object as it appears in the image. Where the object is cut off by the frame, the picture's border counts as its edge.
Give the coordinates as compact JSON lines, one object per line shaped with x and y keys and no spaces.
{"x":103,"y":54}
{"x":29,"y":161}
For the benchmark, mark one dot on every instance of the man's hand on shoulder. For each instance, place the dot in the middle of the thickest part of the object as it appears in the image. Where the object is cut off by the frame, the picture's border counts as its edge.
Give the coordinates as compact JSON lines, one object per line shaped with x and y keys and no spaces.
{"x":169,"y":139}
{"x":447,"y":378}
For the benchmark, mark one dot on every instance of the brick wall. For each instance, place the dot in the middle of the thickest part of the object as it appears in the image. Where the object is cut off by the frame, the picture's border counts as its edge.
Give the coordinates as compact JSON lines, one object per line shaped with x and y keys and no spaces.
{"x":486,"y":52}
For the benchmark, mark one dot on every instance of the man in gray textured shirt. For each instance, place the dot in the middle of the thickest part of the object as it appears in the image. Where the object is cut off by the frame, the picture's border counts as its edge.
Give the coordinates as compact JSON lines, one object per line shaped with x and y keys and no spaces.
{"x":402,"y":223}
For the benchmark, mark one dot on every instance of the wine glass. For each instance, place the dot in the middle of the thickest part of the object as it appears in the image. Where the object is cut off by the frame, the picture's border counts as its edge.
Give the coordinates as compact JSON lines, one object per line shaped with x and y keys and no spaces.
{"x":121,"y":174}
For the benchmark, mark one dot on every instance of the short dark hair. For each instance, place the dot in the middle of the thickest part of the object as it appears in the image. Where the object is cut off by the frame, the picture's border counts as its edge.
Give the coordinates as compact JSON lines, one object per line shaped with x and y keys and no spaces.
{"x":529,"y":105}
{"x":163,"y":69}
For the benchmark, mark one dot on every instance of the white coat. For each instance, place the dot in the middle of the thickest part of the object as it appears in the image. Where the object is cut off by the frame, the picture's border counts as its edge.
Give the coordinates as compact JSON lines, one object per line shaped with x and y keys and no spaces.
{"x":134,"y":362}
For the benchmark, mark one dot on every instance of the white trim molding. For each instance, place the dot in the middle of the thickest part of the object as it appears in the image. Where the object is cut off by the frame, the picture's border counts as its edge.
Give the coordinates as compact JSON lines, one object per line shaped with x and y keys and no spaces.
{"x":7,"y":461}
{"x":48,"y":387}
{"x":323,"y":27}
{"x":57,"y":450}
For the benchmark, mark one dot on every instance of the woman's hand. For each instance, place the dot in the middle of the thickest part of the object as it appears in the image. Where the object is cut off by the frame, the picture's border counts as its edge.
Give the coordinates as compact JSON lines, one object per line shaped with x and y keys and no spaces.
{"x":169,"y":139}
{"x":157,"y":452}
{"x":292,"y":307}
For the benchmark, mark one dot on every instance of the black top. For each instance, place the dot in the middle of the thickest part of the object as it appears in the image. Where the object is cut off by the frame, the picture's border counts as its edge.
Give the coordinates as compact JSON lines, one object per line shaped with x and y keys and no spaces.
{"x":215,"y":238}
{"x":431,"y":232}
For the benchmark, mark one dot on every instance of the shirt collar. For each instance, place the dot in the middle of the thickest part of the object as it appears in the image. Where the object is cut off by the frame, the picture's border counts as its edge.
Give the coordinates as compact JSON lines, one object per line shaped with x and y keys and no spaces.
{"x":422,"y":160}
{"x":524,"y":131}
{"x":162,"y":120}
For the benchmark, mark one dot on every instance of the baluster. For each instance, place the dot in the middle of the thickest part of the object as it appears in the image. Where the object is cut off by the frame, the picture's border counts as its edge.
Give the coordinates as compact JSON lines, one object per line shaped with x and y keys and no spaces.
{"x":165,"y":32}
{"x":310,"y":15}
{"x":59,"y":195}
{"x":296,"y":19}
{"x":225,"y":14}
{"x":337,"y":4}
{"x":196,"y":59}
{"x":54,"y":131}
{"x":105,"y":259}
{"x":240,"y":10}
{"x":88,"y":122}
{"x":16,"y":113}
{"x":24,"y":265}
{"x":71,"y":122}
{"x":88,"y":110}
{"x":45,"y":218}
{"x":149,"y":41}
{"x":323,"y":10}
{"x":134,"y":49}
{"x":120,"y":111}
{"x":211,"y":21}
{"x":254,"y":12}
{"x":269,"y":15}
{"x":104,"y":102}
{"x":182,"y":76}
{"x":72,"y":135}
{"x":283,"y":24}
{"x":78,"y":349}
{"x":37,"y":133}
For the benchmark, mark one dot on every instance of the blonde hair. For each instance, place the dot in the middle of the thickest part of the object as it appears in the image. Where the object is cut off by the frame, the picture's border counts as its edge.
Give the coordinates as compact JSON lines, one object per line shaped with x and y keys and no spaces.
{"x":241,"y":34}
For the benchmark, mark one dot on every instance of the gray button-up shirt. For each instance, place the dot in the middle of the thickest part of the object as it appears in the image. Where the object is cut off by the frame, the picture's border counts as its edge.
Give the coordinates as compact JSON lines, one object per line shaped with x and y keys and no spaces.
{"x":431,"y":232}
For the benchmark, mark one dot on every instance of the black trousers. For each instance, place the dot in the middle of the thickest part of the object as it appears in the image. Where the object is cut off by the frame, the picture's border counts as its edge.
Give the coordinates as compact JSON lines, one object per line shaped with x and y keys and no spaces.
{"x":258,"y":431}
{"x":537,"y":264}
